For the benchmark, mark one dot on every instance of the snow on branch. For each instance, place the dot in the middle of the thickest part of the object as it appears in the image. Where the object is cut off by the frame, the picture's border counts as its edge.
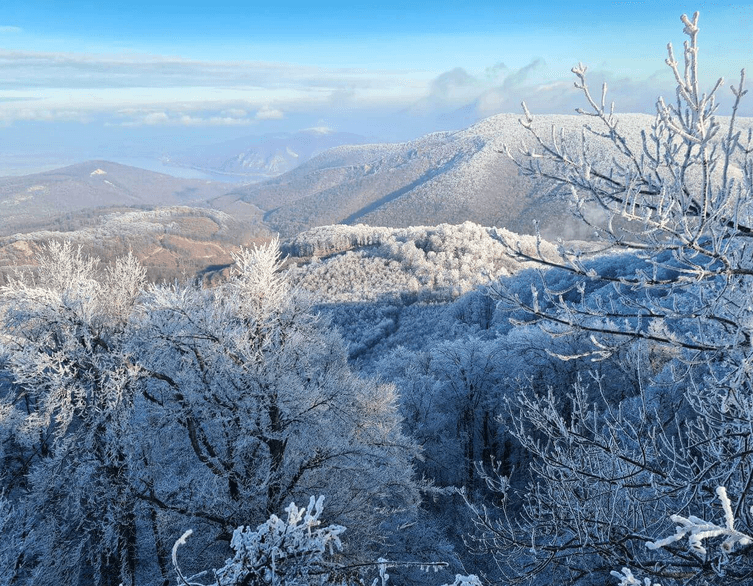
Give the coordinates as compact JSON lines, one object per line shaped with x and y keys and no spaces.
{"x":628,"y":579}
{"x":277,"y":552}
{"x":294,"y":552}
{"x":699,"y":530}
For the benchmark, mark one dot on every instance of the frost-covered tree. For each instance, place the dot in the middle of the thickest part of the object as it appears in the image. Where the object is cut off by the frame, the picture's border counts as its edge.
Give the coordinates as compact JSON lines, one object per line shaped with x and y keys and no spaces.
{"x":255,"y":405}
{"x":67,"y":403}
{"x":127,"y":414}
{"x":674,"y":208}
{"x":450,"y":401}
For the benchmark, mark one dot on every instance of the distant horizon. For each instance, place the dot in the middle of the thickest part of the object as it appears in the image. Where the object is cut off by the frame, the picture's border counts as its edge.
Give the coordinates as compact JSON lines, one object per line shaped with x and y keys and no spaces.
{"x":144,"y":81}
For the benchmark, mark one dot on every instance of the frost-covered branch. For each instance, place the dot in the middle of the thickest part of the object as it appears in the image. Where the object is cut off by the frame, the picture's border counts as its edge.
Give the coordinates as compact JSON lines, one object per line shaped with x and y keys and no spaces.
{"x":296,"y":551}
{"x":627,"y":578}
{"x":278,"y":552}
{"x":697,"y":530}
{"x":666,"y":293}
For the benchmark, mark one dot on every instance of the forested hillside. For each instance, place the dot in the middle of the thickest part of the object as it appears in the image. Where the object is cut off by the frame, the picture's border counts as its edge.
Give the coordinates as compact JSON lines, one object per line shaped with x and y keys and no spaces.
{"x":445,"y":177}
{"x":170,"y":242}
{"x":357,"y":405}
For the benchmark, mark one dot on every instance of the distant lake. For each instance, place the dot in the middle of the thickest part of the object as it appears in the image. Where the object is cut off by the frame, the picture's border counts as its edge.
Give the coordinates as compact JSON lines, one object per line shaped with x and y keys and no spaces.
{"x":158,"y":166}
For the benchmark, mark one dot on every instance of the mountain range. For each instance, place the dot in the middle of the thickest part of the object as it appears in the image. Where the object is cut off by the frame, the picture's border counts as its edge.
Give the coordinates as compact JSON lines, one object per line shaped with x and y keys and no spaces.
{"x":444,"y":177}
{"x":46,"y":200}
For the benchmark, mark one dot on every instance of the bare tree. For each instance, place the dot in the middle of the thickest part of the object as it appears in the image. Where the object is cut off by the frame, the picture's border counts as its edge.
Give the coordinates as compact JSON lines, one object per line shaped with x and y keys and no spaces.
{"x":673,"y":209}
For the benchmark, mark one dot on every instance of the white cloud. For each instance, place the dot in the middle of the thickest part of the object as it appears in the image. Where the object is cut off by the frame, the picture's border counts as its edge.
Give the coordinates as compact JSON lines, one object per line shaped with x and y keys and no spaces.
{"x":458,"y":97}
{"x":156,"y":118}
{"x":153,"y":91}
{"x":127,"y":88}
{"x":319,"y":130}
{"x":140,"y":118}
{"x":29,"y":69}
{"x":186,"y":120}
{"x":235,"y":113}
{"x":10,"y":29}
{"x":453,"y":82}
{"x":267,"y":113}
{"x":44,"y":115}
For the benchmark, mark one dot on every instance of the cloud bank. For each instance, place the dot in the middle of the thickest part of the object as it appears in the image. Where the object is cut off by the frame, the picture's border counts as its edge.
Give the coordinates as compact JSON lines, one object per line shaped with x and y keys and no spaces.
{"x":145,"y":91}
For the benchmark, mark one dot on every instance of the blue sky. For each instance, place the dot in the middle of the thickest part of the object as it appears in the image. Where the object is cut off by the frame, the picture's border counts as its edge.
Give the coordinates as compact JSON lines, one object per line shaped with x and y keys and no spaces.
{"x":426,"y":35}
{"x":130,"y":71}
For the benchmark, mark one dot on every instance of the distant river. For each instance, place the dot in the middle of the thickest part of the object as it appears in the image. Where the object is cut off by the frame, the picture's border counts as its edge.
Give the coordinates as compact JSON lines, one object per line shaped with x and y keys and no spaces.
{"x":158,"y":166}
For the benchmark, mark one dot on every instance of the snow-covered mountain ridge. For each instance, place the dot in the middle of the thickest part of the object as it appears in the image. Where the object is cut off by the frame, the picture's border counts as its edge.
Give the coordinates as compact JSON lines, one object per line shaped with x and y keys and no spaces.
{"x":443,"y":177}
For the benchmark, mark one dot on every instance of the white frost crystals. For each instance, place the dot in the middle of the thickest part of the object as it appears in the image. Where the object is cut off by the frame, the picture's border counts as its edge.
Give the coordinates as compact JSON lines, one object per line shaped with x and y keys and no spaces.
{"x":628,"y":579}
{"x":278,"y":552}
{"x":699,"y":530}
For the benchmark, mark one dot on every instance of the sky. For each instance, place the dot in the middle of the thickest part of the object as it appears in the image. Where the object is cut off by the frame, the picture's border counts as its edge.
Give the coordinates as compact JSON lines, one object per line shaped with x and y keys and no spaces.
{"x":83,"y":79}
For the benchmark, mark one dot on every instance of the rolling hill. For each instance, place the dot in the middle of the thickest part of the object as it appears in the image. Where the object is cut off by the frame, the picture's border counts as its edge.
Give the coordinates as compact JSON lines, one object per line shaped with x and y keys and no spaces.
{"x":42,"y":200}
{"x":440,"y":178}
{"x":175,"y":242}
